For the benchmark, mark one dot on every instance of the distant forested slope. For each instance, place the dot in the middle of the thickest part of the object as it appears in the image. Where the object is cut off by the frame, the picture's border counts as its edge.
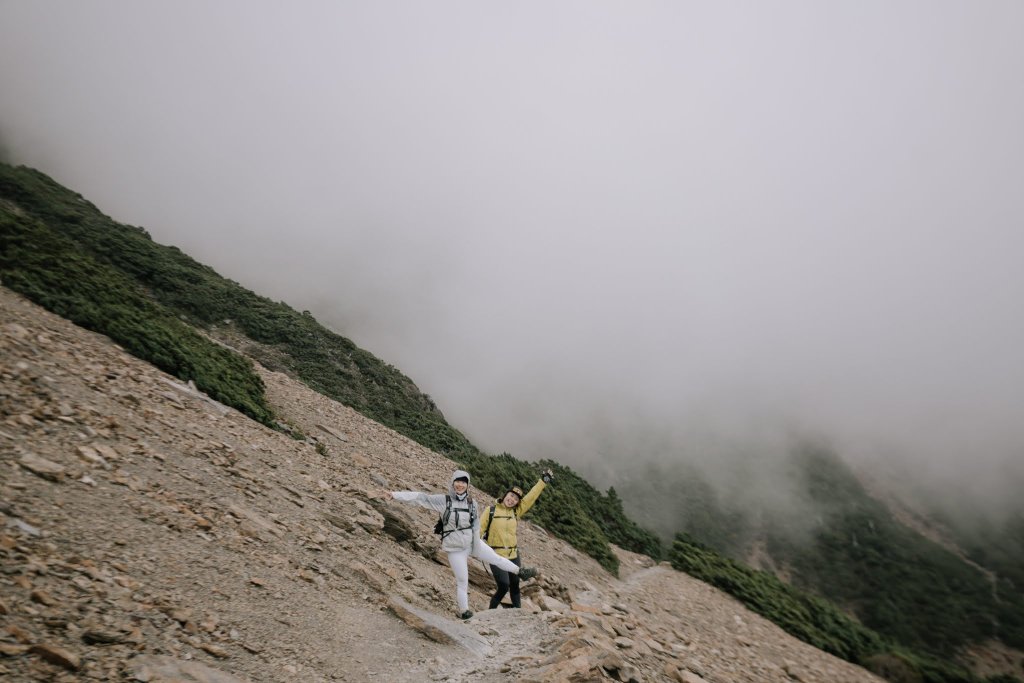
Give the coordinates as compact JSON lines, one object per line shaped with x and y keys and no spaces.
{"x":837,"y":542}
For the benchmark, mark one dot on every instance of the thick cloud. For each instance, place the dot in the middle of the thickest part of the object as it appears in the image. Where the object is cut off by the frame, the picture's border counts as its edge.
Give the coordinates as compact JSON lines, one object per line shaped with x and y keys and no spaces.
{"x":590,"y":231}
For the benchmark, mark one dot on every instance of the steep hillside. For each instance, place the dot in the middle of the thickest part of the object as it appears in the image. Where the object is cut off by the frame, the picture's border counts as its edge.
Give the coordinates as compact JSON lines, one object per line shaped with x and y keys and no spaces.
{"x":164,"y":307}
{"x":149,"y":533}
{"x":63,"y":253}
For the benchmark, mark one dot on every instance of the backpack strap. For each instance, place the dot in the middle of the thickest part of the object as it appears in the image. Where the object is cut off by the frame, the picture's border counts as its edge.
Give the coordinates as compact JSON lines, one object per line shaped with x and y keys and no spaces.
{"x":447,"y":509}
{"x":490,"y":518}
{"x":442,"y":517}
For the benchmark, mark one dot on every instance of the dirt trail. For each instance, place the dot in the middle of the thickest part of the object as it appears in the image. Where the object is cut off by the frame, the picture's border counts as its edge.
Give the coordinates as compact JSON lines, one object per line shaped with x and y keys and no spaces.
{"x":149,"y":534}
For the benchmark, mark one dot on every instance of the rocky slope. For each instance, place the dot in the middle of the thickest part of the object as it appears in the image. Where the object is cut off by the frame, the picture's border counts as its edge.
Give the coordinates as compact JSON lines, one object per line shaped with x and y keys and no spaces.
{"x":150,"y":534}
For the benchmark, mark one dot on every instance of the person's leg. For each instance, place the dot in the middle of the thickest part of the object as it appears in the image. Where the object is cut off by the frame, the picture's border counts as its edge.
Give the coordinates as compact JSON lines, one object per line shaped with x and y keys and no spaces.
{"x":501,"y":579}
{"x":459,"y":561}
{"x":514,"y":583}
{"x":484,"y":552}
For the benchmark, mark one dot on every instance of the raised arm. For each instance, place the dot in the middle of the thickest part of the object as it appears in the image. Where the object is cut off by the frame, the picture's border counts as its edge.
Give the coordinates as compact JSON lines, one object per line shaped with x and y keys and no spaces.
{"x":530,"y":498}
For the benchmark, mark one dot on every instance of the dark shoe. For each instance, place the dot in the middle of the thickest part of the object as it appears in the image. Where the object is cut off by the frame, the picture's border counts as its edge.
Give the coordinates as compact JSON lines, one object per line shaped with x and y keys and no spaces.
{"x":466,"y":615}
{"x":527,"y":573}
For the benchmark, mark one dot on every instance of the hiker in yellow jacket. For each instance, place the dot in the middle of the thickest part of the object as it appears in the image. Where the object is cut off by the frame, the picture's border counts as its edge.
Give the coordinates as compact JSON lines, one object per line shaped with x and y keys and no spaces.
{"x":498,"y":529}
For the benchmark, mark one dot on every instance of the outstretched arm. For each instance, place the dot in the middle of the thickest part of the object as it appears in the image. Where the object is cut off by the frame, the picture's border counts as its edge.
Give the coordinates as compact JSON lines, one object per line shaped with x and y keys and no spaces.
{"x":433,"y":501}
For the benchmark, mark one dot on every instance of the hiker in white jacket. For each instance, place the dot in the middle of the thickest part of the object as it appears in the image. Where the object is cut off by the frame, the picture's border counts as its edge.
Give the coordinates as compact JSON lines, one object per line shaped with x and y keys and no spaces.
{"x":460,"y":534}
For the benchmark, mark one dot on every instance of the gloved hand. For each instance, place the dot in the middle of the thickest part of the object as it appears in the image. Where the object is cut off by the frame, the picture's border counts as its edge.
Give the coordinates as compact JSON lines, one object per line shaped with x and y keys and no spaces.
{"x":547,"y":476}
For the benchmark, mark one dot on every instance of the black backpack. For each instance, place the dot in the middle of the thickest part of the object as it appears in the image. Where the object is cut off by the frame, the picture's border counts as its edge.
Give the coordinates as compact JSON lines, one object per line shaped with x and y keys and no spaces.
{"x":490,"y":518}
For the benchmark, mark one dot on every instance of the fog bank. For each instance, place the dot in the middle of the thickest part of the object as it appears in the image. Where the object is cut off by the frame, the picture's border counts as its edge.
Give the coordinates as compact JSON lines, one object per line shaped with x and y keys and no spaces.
{"x":591,"y":232}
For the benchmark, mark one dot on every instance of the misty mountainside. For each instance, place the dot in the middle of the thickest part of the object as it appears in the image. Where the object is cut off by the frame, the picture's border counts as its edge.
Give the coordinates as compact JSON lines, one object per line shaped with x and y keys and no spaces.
{"x":851,"y":580}
{"x":148,"y":533}
{"x":63,"y":253}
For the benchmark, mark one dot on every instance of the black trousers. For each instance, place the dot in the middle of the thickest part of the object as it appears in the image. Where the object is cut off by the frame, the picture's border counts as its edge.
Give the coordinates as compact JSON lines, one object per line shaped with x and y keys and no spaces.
{"x":507,"y":583}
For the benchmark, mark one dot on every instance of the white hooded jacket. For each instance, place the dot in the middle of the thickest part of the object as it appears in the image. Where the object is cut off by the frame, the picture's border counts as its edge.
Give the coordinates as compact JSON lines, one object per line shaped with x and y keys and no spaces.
{"x":459,"y":535}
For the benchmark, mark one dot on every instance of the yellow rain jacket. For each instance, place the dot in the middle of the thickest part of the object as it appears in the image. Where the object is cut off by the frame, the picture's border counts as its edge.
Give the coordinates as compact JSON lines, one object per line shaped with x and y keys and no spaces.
{"x":500,"y":532}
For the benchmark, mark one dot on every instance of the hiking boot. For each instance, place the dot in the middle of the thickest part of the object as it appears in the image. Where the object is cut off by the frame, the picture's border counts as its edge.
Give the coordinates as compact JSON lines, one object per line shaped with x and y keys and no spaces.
{"x":466,"y":615}
{"x":527,"y":573}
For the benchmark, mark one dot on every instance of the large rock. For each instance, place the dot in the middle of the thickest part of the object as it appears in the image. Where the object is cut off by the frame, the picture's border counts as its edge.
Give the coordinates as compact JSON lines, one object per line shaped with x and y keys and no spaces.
{"x":251,"y":524}
{"x":154,"y":668}
{"x":398,"y":524}
{"x":336,"y":433}
{"x":550,"y":603}
{"x":369,"y":519}
{"x":57,"y":655}
{"x":406,"y":614}
{"x":41,"y":467}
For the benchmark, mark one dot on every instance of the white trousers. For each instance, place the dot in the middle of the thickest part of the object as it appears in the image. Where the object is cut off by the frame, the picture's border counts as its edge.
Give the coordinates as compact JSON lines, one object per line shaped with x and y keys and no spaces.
{"x":459,"y":561}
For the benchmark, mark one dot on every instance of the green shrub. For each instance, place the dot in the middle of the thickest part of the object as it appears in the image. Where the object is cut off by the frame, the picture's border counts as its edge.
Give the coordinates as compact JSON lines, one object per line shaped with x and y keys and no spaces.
{"x":811,"y":618}
{"x":47,"y":268}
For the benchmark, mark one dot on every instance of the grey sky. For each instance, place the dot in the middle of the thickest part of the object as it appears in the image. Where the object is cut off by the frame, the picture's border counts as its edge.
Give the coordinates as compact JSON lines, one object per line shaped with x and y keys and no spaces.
{"x":588,"y":229}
